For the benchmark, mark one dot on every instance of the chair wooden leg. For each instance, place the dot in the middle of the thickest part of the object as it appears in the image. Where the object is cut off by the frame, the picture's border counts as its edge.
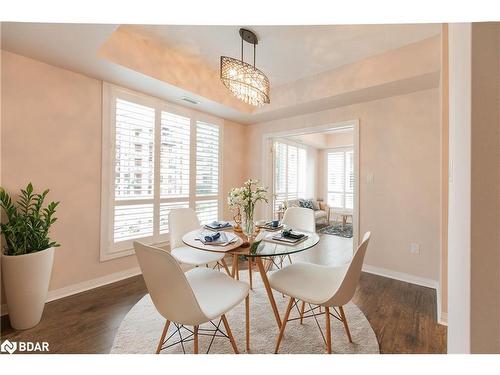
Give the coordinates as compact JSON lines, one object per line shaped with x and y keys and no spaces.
{"x":344,"y":320}
{"x":195,"y":346}
{"x":250,"y":265}
{"x":163,"y":334}
{"x":283,"y":324}
{"x":328,"y":331}
{"x":224,"y":264}
{"x":247,"y":322}
{"x":302,"y":307}
{"x":269,"y":264}
{"x":230,"y":334}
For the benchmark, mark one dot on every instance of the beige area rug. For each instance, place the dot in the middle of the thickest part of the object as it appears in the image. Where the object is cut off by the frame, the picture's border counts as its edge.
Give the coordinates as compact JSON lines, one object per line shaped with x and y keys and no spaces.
{"x":141,"y":328}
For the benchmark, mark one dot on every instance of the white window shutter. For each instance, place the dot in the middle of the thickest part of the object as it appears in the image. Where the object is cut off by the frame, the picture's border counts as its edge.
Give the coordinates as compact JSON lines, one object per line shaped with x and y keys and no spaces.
{"x":290,"y":170}
{"x":134,"y":171}
{"x":174,"y":156}
{"x":340,"y":178}
{"x":152,"y":165}
{"x":207,"y":171}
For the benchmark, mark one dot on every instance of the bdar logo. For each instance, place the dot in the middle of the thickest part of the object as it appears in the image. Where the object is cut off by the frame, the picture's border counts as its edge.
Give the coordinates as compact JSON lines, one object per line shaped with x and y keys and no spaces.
{"x":8,"y":347}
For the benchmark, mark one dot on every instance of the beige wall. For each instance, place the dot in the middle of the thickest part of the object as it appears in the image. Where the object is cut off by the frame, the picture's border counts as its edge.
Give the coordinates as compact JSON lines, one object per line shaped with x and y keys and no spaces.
{"x":235,"y":154}
{"x":400,"y":145}
{"x":485,"y":189}
{"x":51,"y":136}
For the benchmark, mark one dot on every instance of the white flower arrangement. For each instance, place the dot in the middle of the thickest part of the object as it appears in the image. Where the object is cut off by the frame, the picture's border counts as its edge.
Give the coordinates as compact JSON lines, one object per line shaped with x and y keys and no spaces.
{"x":244,"y":198}
{"x":247,"y":196}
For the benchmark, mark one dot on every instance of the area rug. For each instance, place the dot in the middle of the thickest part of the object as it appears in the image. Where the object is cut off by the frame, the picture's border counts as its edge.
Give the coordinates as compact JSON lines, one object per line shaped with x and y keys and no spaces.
{"x":338,"y":229}
{"x":141,"y":328}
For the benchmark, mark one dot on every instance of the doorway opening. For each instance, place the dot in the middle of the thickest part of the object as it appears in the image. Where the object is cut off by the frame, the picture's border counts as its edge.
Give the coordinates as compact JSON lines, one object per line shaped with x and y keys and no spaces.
{"x":317,"y":166}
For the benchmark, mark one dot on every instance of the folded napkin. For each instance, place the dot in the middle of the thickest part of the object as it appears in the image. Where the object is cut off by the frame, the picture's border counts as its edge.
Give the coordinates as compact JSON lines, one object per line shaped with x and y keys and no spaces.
{"x":212,"y":237}
{"x":218,"y":224}
{"x":287,"y":233}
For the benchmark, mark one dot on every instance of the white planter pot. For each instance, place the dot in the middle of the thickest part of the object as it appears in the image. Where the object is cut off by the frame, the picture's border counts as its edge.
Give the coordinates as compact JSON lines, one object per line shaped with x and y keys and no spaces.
{"x":26,"y":282}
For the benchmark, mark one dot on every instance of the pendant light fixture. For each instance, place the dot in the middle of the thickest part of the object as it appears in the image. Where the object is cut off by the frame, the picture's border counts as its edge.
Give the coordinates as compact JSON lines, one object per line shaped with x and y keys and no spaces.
{"x":245,"y":81}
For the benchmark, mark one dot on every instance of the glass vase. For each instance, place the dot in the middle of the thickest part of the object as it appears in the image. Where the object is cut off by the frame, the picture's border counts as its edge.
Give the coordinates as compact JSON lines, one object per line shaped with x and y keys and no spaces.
{"x":248,"y":225}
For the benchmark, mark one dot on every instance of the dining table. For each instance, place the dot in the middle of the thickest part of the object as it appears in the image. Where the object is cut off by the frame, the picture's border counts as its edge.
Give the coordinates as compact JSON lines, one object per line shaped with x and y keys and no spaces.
{"x":255,"y":250}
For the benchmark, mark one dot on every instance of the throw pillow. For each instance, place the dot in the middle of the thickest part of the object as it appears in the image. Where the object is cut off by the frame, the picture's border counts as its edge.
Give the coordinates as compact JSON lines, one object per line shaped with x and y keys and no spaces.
{"x":315,"y":205}
{"x":306,"y":203}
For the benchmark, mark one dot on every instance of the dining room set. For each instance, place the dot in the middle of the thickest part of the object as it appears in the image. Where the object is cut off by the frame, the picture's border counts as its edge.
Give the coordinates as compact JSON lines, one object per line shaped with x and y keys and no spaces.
{"x":197,"y":301}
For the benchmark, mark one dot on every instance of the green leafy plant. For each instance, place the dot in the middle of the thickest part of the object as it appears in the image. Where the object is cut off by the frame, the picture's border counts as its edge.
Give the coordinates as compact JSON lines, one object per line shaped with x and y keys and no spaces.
{"x":27,"y":225}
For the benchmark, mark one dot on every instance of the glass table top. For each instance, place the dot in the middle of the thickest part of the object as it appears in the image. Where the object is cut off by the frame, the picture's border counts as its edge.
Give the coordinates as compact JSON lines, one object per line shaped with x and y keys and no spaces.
{"x":263,"y":248}
{"x":260,"y":247}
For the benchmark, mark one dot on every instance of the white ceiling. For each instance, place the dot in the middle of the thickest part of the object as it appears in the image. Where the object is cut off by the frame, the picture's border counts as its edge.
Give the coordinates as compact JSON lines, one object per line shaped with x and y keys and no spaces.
{"x":284,"y":53}
{"x":288,"y":53}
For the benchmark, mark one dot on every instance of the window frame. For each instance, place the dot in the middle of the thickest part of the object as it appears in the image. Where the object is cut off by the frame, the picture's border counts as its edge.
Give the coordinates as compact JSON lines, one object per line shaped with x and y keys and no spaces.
{"x":108,"y":249}
{"x":343,"y":149}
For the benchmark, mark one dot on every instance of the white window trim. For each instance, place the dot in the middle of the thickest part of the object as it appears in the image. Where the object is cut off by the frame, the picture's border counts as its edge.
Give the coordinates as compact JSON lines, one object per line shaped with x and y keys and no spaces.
{"x":327,"y":151}
{"x":109,"y":94}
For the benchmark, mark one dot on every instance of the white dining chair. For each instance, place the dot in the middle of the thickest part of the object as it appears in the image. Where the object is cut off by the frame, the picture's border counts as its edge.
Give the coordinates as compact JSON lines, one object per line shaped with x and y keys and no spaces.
{"x":180,"y":222}
{"x":319,"y":286}
{"x":300,"y":218}
{"x":198,"y":296}
{"x":297,"y":218}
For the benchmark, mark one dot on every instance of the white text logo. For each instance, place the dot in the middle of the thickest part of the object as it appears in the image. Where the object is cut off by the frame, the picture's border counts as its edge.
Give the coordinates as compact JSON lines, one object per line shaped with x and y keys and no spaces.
{"x":24,"y":346}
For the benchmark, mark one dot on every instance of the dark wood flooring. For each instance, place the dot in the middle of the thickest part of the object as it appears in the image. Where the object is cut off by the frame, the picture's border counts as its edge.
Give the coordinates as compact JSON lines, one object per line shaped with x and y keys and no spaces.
{"x":402,"y":315}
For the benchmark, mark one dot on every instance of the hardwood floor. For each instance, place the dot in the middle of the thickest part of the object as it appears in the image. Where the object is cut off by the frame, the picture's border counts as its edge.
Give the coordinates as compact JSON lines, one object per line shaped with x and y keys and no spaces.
{"x":402,"y":315}
{"x":82,"y":323}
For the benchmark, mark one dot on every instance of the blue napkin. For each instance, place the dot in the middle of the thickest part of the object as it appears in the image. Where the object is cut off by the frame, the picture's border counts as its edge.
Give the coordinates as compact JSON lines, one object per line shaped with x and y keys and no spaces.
{"x":218,"y":224}
{"x":212,"y":237}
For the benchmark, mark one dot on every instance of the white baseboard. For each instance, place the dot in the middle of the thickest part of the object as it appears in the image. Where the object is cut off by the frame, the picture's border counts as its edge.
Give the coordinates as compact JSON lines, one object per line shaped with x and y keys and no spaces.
{"x":85,"y":285}
{"x":429,"y":283}
{"x":443,"y":318}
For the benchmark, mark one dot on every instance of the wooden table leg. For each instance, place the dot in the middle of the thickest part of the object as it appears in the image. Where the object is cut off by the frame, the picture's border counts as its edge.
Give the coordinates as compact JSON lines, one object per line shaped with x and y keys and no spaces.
{"x":268,"y":290}
{"x":234,"y":266}
{"x":247,"y":322}
{"x":250,"y":265}
{"x":237,"y":265}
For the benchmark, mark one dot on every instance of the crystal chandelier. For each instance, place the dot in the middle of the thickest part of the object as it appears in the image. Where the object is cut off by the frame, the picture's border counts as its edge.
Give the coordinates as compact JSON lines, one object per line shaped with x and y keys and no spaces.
{"x":245,"y":81}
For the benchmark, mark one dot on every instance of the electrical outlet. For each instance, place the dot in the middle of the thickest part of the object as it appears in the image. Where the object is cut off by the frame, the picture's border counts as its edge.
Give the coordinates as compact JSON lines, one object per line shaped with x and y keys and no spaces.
{"x":415,"y":248}
{"x":369,"y":178}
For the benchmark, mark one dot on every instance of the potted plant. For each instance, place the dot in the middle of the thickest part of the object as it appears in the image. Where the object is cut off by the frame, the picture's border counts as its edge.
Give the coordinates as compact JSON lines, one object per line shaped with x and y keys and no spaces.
{"x":28,"y":254}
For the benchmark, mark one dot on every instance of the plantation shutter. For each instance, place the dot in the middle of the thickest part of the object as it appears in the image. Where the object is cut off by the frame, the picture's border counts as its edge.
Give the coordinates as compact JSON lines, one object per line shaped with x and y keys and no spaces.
{"x":279,"y":174}
{"x":289,"y":173}
{"x":134,"y":171}
{"x":340,"y":178}
{"x":207,"y":171}
{"x":174,"y":165}
{"x":301,"y":173}
{"x":156,"y":157}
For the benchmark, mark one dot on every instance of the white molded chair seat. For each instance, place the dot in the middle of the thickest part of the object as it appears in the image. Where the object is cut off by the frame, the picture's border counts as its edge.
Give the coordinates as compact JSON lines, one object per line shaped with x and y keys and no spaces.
{"x":182,"y":221}
{"x":192,"y":298}
{"x":330,"y":287}
{"x":216,"y":292}
{"x":304,"y":281}
{"x":195,"y":257}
